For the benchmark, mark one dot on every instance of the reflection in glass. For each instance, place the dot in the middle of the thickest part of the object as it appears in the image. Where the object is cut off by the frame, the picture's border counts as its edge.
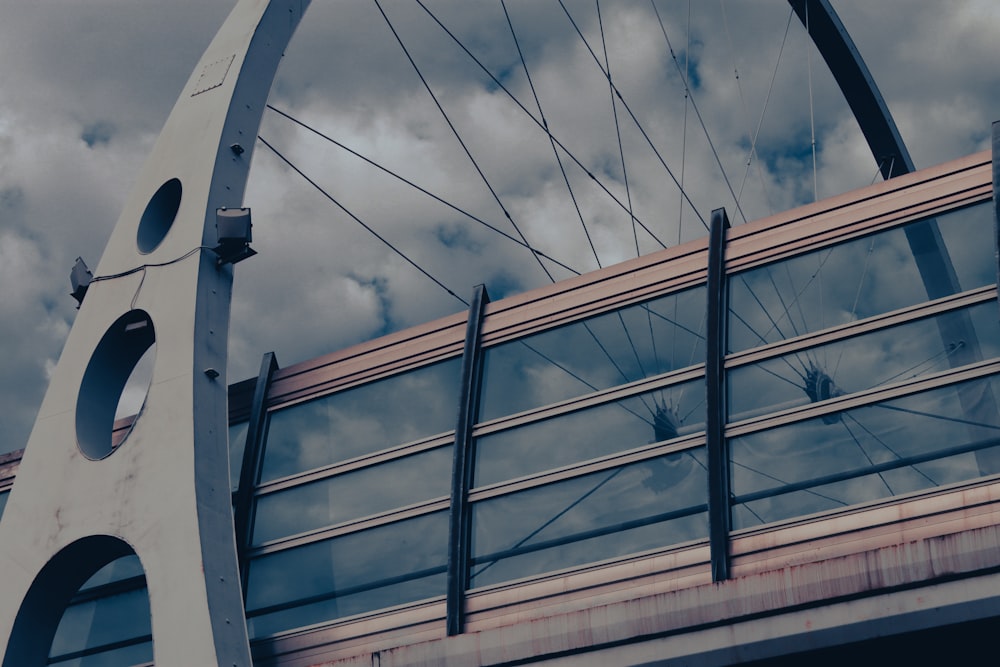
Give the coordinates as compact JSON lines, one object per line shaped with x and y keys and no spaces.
{"x":237,"y":443}
{"x":364,"y":492}
{"x":871,"y":360}
{"x":625,"y":424}
{"x":624,"y":510}
{"x":854,"y":280}
{"x":134,"y":654}
{"x":943,"y":436}
{"x":598,"y":353}
{"x":113,"y":620}
{"x":123,"y":568}
{"x":384,"y":566}
{"x":362,"y":420}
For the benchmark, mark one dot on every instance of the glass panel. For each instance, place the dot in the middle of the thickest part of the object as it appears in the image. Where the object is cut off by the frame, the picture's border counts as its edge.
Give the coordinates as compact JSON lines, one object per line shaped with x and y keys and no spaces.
{"x":605,"y":351}
{"x":366,"y":419}
{"x":352,"y":495}
{"x":237,"y":443}
{"x":586,"y":434}
{"x":117,"y":570}
{"x":872,"y":360}
{"x":138,"y":654}
{"x":3,"y":501}
{"x":907,"y":444}
{"x":106,"y":620}
{"x":858,"y":279}
{"x":403,"y":592}
{"x":393,"y":564}
{"x":611,"y":513}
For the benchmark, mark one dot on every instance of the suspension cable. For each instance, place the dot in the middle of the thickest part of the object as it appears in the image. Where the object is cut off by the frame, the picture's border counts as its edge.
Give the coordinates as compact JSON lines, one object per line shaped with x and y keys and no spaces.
{"x":413,"y":185}
{"x":618,"y":129}
{"x":755,"y":135}
{"x":812,"y":116}
{"x":697,"y":113}
{"x":635,"y":119}
{"x":461,"y":142}
{"x":360,"y":222}
{"x":552,"y":142}
{"x":541,"y":125}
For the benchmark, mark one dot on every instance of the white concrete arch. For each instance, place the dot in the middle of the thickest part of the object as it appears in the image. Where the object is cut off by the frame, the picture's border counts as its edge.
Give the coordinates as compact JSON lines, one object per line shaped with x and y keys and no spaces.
{"x":165,"y":491}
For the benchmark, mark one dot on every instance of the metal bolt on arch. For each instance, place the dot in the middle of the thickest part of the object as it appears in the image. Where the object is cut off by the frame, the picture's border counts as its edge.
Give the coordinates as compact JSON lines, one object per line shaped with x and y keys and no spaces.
{"x":81,"y":501}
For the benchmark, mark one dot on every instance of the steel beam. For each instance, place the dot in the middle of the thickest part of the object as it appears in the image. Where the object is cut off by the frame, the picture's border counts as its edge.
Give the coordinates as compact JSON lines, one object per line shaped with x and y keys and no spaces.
{"x":461,"y":477}
{"x":856,"y":83}
{"x":715,"y":397}
{"x":937,"y":271}
{"x":253,"y":452}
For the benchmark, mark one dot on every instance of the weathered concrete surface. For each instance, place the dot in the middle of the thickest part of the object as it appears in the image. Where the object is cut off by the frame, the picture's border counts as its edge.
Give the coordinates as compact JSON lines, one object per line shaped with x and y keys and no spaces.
{"x":164,"y":492}
{"x":891,"y":589}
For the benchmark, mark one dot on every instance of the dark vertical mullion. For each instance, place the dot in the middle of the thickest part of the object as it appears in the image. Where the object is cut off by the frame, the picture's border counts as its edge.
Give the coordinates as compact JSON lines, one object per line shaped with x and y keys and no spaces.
{"x":458,"y":529}
{"x":715,"y":425}
{"x":250,"y":470}
{"x":996,"y":195}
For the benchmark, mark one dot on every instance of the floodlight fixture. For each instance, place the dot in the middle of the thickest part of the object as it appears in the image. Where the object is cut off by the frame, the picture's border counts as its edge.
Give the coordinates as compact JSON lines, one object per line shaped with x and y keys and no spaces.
{"x":80,"y":278}
{"x":233,"y":235}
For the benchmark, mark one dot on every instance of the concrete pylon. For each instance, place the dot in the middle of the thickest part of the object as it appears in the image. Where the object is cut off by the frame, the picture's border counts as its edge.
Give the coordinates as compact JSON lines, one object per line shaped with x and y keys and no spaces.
{"x":79,"y":502}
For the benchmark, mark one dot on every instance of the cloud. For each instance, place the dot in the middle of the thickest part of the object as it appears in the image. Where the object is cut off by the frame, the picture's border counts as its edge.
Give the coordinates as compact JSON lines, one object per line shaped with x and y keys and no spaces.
{"x":87,"y":86}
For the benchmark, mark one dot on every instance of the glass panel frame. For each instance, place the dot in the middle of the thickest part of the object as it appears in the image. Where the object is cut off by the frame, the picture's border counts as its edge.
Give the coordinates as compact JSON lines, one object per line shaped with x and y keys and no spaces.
{"x":345,"y":425}
{"x":852,"y":280}
{"x":873,"y":451}
{"x":307,"y":578}
{"x":594,"y":354}
{"x":355,"y":494}
{"x":901,"y":352}
{"x":657,"y":415}
{"x":591,"y":517}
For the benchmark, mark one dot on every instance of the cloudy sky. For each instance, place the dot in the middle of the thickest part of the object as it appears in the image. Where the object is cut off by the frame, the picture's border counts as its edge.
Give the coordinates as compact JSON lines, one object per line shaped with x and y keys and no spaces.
{"x":85,"y":86}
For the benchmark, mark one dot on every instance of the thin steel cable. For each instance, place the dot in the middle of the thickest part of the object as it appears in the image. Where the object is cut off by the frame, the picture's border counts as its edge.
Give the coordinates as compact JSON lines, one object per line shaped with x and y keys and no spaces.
{"x":813,"y":492}
{"x":767,"y":99}
{"x":360,"y":222}
{"x":878,"y":172}
{"x":798,"y":302}
{"x":552,"y":143}
{"x":551,"y":520}
{"x":461,"y":142}
{"x":697,"y":113}
{"x":628,"y":190}
{"x":786,"y":309}
{"x":931,"y":415}
{"x":930,"y":362}
{"x":857,"y":294}
{"x":635,"y":119}
{"x":587,"y":384}
{"x":685,"y":79}
{"x":888,"y":448}
{"x":422,"y":190}
{"x":485,"y":180}
{"x":500,"y":85}
{"x":867,"y":457}
{"x":618,"y":129}
{"x":812,"y":116}
{"x":680,"y":212}
{"x":680,"y":201}
{"x":784,"y":359}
